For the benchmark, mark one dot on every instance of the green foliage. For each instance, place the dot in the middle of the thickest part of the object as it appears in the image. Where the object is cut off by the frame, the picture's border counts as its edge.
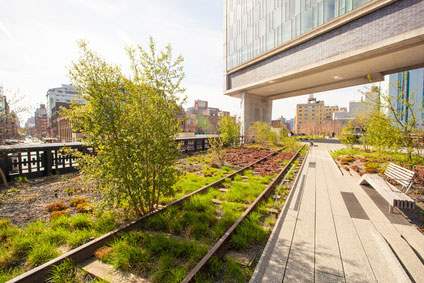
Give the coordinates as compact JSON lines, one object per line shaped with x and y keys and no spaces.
{"x":29,"y":246}
{"x":165,"y":258}
{"x":380,"y":157}
{"x":347,"y":135}
{"x":217,"y":150}
{"x":249,"y":232}
{"x":229,"y":130}
{"x":134,"y":142}
{"x":380,"y":132}
{"x":262,"y":134}
{"x":41,"y":253}
{"x":65,"y":272}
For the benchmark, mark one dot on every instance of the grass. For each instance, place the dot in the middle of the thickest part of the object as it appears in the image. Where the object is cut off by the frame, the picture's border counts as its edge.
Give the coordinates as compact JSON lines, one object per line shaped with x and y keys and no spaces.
{"x":26,"y":247}
{"x":165,"y":258}
{"x":223,"y":270}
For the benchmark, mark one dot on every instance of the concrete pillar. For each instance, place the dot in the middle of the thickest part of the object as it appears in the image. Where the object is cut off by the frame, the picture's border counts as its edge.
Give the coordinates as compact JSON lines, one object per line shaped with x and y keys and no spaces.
{"x":254,"y":108}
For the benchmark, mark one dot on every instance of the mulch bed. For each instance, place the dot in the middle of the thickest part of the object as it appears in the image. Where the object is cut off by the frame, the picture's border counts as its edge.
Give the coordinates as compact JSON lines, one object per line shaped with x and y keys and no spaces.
{"x":272,"y":165}
{"x":243,"y":156}
{"x":27,"y":202}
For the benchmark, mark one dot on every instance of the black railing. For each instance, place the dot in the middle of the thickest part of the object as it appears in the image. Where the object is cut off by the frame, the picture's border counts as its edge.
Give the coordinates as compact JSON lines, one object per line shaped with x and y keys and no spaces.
{"x":38,"y":160}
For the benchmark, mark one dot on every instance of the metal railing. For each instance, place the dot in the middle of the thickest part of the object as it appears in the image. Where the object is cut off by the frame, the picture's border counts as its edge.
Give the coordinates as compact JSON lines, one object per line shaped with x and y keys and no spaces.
{"x":38,"y":160}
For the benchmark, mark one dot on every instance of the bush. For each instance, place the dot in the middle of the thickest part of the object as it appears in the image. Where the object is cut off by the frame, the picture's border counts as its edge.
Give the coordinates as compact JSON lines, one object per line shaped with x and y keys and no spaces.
{"x":229,"y":130}
{"x":261,"y":133}
{"x":74,"y":202}
{"x":134,"y":142}
{"x":56,"y":206}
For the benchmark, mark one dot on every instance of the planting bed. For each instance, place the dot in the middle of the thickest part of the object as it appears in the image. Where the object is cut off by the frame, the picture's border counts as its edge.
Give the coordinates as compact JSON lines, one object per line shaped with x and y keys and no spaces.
{"x":57,"y":213}
{"x":237,"y":261}
{"x":356,"y":161}
{"x":169,"y":244}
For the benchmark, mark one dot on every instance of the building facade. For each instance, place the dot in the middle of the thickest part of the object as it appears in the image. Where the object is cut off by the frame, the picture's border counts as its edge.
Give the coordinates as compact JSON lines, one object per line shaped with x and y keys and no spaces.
{"x":202,"y":119}
{"x":58,"y":98}
{"x":284,"y":48}
{"x":9,"y":122}
{"x":41,"y":122}
{"x":314,"y":117}
{"x":403,"y":89}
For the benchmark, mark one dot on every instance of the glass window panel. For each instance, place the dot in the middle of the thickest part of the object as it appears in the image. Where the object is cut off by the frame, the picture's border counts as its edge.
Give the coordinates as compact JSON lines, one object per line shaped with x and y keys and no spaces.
{"x":257,"y":26}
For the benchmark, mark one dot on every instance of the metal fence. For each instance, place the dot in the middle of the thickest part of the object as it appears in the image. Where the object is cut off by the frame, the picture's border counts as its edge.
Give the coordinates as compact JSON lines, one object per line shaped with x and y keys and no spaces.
{"x":38,"y":160}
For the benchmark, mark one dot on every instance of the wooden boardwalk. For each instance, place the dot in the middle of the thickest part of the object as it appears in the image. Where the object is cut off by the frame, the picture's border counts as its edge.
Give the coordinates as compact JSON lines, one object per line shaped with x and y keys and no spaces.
{"x":333,"y":230}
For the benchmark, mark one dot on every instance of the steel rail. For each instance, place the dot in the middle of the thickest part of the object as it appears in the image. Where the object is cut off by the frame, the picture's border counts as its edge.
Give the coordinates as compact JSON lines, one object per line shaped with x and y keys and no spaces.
{"x":221,"y":241}
{"x":85,"y":251}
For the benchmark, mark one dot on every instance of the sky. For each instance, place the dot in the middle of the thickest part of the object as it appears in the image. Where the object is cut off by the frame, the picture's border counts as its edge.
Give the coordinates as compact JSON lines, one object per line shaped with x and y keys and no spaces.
{"x":38,"y":42}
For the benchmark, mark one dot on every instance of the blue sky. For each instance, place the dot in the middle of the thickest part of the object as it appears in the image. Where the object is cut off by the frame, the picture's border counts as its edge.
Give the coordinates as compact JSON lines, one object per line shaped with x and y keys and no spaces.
{"x":38,"y":44}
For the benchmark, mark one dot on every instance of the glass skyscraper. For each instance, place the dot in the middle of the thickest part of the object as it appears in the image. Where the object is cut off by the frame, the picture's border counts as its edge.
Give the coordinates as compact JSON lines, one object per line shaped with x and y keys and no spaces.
{"x":407,"y":87}
{"x":254,"y":27}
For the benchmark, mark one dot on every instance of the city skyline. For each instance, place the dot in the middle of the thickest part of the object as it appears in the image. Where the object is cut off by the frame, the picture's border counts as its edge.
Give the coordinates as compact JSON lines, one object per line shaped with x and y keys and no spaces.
{"x":53,"y":46}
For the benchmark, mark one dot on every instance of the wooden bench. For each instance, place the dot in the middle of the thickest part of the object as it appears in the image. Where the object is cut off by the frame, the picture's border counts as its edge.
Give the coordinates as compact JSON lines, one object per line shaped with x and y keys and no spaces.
{"x":394,"y":196}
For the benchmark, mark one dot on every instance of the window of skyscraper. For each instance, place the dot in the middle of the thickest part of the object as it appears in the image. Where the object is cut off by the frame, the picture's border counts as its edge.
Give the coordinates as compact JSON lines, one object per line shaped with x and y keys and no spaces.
{"x":255,"y":27}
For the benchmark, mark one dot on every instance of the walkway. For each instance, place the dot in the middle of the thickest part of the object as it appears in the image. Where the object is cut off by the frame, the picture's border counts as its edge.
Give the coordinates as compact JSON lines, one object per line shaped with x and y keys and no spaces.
{"x":334,"y":230}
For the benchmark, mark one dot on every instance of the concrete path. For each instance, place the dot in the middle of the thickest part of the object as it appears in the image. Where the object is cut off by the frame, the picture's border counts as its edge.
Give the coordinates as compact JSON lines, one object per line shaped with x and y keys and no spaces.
{"x":333,"y":230}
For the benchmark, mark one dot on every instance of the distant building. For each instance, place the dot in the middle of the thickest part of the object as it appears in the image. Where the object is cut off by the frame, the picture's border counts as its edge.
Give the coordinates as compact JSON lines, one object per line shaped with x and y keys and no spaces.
{"x":9,"y":122}
{"x":30,"y":126}
{"x":202,"y":119}
{"x":58,"y":98}
{"x":314,"y":117}
{"x":41,"y":122}
{"x":363,"y":108}
{"x":408,"y":87}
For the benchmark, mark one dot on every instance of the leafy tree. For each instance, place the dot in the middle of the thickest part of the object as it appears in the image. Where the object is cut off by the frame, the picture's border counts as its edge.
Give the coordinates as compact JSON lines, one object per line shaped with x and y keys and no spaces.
{"x":262,"y":133}
{"x":130,"y":121}
{"x":380,"y":132}
{"x":347,"y":135}
{"x":229,"y":130}
{"x":403,"y":117}
{"x":217,"y":150}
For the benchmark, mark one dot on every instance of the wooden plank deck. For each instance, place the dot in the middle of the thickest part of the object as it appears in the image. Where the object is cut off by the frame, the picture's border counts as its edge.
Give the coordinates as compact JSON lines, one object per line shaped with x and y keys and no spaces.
{"x":333,"y":231}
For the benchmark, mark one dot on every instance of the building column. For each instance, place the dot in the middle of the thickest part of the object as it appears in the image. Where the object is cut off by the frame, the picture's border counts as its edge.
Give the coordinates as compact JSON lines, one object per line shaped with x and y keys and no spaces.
{"x":254,"y":108}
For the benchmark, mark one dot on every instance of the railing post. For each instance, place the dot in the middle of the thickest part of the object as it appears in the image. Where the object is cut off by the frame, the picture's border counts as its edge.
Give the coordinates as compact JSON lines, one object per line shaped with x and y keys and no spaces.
{"x":5,"y":165}
{"x":47,"y":162}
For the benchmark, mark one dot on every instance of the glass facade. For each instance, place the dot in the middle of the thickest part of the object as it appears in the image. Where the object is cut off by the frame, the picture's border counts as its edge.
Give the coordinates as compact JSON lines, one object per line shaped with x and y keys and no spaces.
{"x":255,"y":27}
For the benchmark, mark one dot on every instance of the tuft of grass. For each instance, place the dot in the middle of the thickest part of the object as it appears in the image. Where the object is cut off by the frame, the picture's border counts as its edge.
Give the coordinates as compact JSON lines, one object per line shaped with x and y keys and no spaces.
{"x":41,"y":253}
{"x":65,"y":272}
{"x":249,"y":232}
{"x":168,"y":270}
{"x":81,"y":221}
{"x":79,"y":237}
{"x":126,"y":256}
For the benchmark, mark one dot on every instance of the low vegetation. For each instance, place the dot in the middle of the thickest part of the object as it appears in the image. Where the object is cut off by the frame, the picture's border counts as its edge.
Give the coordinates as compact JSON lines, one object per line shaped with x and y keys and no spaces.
{"x":24,"y":248}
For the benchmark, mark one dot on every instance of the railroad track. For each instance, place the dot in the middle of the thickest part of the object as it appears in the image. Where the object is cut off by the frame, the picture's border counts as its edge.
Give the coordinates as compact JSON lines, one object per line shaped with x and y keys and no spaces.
{"x":86,"y":251}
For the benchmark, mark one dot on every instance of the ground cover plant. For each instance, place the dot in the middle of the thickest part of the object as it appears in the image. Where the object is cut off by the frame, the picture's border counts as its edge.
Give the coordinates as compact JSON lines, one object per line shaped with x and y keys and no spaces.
{"x":22,"y":248}
{"x":246,"y":244}
{"x":69,"y":219}
{"x":200,"y":221}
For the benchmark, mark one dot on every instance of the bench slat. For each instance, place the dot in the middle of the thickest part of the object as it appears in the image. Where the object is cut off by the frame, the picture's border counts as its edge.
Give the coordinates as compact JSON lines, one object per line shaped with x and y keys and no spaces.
{"x":401,"y":168}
